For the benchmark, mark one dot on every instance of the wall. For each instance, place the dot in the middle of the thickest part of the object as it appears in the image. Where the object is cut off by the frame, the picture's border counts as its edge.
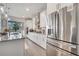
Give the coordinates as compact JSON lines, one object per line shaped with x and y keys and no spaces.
{"x":33,"y":19}
{"x":29,"y":24}
{"x":36,"y":22}
{"x":43,"y":19}
{"x":12,"y":48}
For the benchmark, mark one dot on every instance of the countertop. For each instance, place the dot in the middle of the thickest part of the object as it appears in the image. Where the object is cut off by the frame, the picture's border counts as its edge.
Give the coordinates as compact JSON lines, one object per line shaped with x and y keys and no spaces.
{"x":12,"y":39}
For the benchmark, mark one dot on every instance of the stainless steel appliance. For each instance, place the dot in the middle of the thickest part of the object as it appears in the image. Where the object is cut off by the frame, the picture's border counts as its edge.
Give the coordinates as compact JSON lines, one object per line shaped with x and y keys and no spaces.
{"x":63,"y":32}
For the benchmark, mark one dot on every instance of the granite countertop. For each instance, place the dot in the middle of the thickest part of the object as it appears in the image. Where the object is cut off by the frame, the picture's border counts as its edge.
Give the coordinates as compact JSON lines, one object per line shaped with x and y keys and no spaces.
{"x":34,"y":33}
{"x":12,"y":39}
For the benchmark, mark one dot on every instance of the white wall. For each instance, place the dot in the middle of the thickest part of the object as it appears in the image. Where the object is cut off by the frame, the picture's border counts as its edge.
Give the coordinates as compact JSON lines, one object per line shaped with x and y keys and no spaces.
{"x":33,"y":19}
{"x":12,"y":48}
{"x":43,"y":19}
{"x":29,"y":24}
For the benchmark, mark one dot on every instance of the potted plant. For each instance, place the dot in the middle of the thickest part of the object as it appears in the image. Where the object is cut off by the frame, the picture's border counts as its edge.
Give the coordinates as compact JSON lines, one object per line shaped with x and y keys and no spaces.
{"x":4,"y":32}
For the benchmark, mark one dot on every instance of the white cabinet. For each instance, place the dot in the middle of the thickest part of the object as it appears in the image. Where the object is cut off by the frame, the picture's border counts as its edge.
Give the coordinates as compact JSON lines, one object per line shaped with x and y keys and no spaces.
{"x":38,"y":38}
{"x":51,"y":7}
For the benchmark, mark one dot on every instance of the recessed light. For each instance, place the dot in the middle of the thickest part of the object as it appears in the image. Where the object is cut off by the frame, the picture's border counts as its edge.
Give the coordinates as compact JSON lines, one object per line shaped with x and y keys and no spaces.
{"x":2,"y":9}
{"x":23,"y":16}
{"x":27,"y":9}
{"x":6,"y":15}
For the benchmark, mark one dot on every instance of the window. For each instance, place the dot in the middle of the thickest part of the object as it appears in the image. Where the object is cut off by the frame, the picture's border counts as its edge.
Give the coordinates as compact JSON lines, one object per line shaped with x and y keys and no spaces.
{"x":15,"y":29}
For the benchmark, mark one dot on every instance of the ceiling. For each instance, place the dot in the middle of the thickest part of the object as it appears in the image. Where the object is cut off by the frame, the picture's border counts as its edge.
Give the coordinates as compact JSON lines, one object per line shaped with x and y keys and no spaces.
{"x":19,"y":9}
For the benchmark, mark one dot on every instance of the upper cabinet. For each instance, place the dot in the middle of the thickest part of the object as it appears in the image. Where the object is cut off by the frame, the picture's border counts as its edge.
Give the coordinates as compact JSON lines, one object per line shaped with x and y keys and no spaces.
{"x":51,"y":7}
{"x":62,"y":5}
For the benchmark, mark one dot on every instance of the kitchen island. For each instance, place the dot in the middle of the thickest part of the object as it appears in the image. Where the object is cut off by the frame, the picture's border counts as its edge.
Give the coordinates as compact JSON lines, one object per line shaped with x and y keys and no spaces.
{"x":38,"y":38}
{"x":14,"y":47}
